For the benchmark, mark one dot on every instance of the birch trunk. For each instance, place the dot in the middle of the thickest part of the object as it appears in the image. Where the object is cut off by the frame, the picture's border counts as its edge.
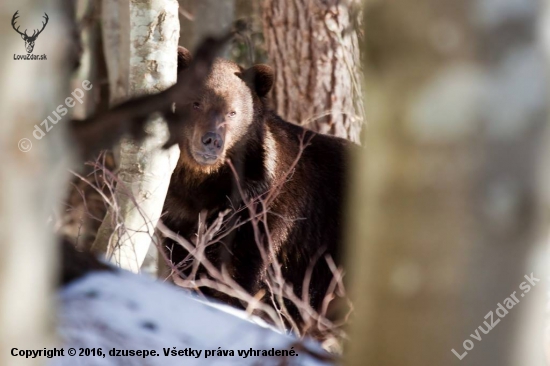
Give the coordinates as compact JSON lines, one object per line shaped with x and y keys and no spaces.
{"x":446,"y":208}
{"x":313,"y":48}
{"x":31,"y":183}
{"x":141,"y":52}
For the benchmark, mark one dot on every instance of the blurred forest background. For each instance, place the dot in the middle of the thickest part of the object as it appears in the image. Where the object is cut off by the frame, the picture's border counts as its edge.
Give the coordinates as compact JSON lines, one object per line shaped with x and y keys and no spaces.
{"x":448,"y":202}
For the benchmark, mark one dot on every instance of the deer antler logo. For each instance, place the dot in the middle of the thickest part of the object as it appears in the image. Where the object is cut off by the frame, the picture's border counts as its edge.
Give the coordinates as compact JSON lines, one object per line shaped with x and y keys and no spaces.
{"x":29,"y":40}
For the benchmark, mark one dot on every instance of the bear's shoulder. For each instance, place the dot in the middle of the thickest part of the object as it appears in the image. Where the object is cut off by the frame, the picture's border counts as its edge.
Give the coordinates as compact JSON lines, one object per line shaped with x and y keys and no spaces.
{"x":289,"y":131}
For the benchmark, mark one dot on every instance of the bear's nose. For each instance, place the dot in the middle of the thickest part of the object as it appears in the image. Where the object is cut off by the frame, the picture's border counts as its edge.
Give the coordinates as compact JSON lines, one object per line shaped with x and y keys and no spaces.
{"x":212,"y":140}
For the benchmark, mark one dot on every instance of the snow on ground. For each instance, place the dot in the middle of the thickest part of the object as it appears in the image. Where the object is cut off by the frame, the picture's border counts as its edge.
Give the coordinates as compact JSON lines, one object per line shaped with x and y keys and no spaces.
{"x":123,"y":311}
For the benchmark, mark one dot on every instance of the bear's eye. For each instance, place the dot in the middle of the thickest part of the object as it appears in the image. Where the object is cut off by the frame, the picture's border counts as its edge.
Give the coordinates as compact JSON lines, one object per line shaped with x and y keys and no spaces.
{"x":196,"y":105}
{"x":232,"y":114}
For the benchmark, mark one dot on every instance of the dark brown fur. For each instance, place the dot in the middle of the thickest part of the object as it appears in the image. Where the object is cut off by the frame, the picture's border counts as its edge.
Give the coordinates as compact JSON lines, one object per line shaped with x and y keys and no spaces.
{"x":305,"y":218}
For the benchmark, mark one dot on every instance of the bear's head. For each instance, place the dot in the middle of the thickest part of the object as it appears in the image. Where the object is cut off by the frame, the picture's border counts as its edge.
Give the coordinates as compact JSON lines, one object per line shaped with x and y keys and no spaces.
{"x":223,"y":112}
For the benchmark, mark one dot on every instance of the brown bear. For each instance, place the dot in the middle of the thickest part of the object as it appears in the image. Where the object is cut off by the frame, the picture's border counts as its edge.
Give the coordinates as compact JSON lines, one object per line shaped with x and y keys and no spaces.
{"x":234,"y":150}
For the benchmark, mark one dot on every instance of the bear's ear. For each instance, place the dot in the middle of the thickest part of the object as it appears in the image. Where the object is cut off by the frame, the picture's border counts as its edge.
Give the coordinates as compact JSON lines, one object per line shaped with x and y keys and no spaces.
{"x":184,"y":58}
{"x":259,"y":78}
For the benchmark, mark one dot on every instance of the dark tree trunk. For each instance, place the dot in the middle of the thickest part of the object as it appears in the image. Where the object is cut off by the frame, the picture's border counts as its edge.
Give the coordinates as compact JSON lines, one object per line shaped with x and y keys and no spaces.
{"x":313,"y":47}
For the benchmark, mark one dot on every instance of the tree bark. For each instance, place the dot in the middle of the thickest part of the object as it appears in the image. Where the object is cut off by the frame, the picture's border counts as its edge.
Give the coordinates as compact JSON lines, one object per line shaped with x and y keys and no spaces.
{"x":148,"y":31}
{"x":445,"y":219}
{"x":32,"y":182}
{"x":313,"y":47}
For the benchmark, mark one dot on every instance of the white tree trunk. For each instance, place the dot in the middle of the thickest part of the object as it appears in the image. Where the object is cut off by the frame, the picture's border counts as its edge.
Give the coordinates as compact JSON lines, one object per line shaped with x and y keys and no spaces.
{"x":446,"y":218}
{"x":32,"y":182}
{"x":148,"y":31}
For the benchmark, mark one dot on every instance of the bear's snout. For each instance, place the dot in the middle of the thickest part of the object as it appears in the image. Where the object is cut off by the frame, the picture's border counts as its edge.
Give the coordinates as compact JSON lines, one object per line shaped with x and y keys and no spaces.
{"x":209,"y":148}
{"x":212,"y":141}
